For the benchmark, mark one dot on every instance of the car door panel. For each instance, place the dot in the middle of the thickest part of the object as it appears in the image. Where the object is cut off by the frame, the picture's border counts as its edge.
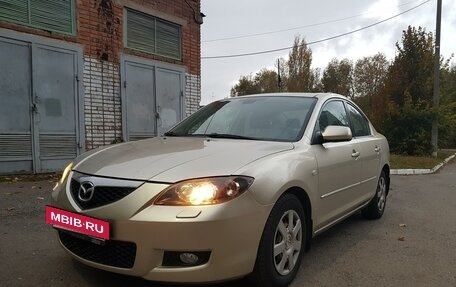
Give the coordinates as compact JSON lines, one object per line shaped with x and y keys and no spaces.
{"x":338,"y":179}
{"x":370,"y":165}
{"x":370,"y":148}
{"x":338,"y":167}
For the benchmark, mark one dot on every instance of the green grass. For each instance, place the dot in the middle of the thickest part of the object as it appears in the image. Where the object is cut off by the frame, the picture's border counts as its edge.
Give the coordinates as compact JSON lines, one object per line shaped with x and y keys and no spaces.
{"x":402,"y":161}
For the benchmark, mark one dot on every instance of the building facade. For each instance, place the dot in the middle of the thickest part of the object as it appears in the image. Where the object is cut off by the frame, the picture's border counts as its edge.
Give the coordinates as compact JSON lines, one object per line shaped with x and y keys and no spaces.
{"x":79,"y":74}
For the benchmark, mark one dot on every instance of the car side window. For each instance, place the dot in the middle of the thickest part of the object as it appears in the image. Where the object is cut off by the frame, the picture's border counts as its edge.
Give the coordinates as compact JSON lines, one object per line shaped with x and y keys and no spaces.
{"x":360,"y":125}
{"x":333,"y":114}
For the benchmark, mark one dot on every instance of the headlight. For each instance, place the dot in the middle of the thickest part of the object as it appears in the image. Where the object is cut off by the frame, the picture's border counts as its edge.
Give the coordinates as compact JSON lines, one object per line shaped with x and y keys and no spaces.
{"x":66,"y":171}
{"x":204,"y":191}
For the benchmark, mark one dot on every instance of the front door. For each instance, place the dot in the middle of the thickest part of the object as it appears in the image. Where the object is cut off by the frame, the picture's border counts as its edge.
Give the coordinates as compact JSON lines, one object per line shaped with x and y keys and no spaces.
{"x":338,"y":167}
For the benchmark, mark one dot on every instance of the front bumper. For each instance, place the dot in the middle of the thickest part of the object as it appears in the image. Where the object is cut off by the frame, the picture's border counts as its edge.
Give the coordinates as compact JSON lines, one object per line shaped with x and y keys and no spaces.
{"x":230,"y":231}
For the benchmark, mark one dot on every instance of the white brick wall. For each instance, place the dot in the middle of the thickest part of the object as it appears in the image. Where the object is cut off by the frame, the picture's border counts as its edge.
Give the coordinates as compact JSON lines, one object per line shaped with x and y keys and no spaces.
{"x":192,"y":93}
{"x":102,"y":105}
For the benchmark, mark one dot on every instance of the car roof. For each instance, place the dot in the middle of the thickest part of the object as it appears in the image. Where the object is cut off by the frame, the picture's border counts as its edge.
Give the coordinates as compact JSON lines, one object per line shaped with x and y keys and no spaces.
{"x":320,"y":96}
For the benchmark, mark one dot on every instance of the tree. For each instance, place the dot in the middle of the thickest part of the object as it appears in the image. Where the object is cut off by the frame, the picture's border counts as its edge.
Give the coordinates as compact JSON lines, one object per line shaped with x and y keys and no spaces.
{"x":338,"y":77}
{"x":296,"y":75}
{"x":300,"y":78}
{"x":267,"y":81}
{"x":397,"y":96}
{"x":245,"y":86}
{"x":413,"y":68}
{"x":282,"y":67}
{"x":369,"y":75}
{"x":447,"y":112}
{"x":264,"y":81}
{"x":404,"y":104}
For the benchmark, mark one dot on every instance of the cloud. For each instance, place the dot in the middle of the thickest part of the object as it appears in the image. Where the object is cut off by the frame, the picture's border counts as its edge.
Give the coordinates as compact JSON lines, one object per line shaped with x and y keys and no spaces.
{"x":382,"y":9}
{"x":225,"y":19}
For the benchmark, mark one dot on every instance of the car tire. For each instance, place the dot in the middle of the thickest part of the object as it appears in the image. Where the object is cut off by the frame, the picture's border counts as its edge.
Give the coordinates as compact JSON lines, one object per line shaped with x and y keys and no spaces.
{"x":282,"y":246}
{"x":377,"y":205}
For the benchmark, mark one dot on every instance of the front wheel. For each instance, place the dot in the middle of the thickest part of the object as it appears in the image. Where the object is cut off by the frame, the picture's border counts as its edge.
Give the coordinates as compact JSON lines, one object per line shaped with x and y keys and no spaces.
{"x":377,"y":205}
{"x":282,"y":244}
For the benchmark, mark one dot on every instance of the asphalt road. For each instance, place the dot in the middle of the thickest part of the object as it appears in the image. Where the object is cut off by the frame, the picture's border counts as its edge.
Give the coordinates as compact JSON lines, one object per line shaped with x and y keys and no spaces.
{"x":414,"y":244}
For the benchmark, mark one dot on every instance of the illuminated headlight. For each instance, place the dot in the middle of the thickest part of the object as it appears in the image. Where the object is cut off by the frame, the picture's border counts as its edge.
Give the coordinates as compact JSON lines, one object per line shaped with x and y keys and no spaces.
{"x":204,"y":191}
{"x":65,"y":174}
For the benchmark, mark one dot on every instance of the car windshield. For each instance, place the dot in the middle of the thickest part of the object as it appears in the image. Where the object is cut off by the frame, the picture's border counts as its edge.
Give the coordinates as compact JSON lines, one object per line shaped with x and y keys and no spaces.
{"x":268,"y":118}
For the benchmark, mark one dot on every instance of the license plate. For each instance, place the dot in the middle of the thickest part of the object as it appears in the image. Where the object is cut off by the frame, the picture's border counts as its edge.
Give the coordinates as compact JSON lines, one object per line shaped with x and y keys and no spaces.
{"x":78,"y":223}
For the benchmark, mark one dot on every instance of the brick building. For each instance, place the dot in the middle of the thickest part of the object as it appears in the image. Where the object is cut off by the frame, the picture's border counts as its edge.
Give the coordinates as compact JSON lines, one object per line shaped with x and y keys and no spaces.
{"x":78,"y":74}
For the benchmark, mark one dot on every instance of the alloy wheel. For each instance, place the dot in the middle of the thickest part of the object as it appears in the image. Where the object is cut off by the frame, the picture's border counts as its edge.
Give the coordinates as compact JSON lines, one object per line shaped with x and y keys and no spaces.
{"x":381,"y":193}
{"x":287,"y":242}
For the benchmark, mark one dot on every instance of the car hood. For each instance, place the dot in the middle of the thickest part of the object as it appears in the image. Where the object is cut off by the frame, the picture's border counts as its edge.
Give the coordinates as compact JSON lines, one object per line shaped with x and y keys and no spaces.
{"x":172,"y":159}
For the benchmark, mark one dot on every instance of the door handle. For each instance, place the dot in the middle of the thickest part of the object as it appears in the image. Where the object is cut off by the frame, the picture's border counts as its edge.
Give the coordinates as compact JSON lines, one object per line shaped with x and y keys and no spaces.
{"x":355,"y":154}
{"x":377,"y":149}
{"x":35,"y":101}
{"x":34,"y":108}
{"x":157,"y":112}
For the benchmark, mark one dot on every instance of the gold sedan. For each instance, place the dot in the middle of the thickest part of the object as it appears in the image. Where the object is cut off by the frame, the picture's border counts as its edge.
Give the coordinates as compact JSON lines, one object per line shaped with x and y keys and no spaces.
{"x":237,"y":189}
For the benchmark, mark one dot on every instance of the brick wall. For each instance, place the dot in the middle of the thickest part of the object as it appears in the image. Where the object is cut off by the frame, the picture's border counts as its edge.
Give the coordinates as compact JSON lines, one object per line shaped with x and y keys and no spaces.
{"x":193,"y":93}
{"x":100,"y":26}
{"x":102,"y":106}
{"x":100,"y":31}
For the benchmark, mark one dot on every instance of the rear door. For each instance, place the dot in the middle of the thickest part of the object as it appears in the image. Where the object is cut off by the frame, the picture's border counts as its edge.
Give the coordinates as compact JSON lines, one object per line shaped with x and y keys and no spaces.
{"x":369,"y":152}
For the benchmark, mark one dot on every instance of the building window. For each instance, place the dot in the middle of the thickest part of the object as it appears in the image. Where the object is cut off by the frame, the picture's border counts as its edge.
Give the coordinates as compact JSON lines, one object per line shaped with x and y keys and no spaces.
{"x":50,"y":15}
{"x":152,"y":35}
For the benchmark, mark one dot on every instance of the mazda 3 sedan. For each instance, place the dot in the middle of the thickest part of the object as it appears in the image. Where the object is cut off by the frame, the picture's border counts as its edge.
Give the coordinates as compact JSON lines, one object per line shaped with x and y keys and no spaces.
{"x":237,"y":189}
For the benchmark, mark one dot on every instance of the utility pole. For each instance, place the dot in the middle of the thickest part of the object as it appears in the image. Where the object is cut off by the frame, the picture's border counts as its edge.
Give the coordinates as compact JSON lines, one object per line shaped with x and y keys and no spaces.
{"x":435,"y":122}
{"x":279,"y":79}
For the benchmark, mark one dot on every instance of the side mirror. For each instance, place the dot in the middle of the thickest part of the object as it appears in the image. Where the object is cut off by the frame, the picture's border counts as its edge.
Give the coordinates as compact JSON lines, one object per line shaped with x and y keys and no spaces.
{"x":336,"y":134}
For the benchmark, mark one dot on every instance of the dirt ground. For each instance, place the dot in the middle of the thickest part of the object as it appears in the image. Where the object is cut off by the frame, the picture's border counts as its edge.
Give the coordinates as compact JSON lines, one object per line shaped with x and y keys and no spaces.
{"x":414,"y":244}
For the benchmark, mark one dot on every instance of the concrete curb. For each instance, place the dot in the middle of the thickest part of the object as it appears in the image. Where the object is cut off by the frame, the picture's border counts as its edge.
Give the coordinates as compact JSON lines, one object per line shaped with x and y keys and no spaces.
{"x":411,"y":171}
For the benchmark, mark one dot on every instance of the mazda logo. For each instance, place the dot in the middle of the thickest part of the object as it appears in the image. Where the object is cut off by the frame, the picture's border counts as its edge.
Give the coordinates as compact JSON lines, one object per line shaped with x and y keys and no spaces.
{"x":86,"y":191}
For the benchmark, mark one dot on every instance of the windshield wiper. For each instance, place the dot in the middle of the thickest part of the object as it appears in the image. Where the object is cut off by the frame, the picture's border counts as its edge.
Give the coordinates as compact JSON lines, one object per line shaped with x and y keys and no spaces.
{"x":229,"y":136}
{"x":211,"y":135}
{"x":171,"y":134}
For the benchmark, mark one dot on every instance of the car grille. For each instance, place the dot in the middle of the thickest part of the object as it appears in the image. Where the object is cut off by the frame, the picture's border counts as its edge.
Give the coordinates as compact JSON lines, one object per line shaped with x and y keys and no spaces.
{"x":114,"y":253}
{"x":102,"y":195}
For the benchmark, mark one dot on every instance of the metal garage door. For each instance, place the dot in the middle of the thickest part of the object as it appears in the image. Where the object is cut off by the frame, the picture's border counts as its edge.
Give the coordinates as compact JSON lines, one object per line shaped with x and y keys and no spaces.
{"x":169,"y":98}
{"x":15,"y":117}
{"x":140,"y":110}
{"x":152,"y":97}
{"x":39,"y":117}
{"x":55,"y":98}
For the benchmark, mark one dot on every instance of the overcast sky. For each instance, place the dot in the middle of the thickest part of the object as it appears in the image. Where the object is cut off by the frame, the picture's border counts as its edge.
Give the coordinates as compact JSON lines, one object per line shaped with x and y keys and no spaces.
{"x":231,"y":19}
